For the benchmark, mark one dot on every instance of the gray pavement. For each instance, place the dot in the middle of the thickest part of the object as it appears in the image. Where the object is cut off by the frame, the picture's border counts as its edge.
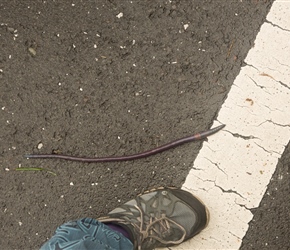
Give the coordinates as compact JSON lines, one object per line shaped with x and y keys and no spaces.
{"x":103,"y":78}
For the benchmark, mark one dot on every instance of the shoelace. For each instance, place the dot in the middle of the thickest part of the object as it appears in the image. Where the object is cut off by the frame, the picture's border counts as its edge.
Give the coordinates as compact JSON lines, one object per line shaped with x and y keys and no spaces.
{"x":147,"y":229}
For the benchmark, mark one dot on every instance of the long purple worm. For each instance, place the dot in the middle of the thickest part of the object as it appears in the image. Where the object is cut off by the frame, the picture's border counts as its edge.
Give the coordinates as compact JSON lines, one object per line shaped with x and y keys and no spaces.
{"x":195,"y":137}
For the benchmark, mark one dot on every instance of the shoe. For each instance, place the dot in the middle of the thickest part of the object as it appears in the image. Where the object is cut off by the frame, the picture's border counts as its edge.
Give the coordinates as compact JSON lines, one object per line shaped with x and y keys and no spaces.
{"x":161,"y":217}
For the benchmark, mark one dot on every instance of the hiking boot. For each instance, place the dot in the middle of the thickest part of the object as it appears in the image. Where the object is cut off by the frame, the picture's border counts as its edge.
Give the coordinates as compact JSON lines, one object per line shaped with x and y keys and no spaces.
{"x":160,"y":218}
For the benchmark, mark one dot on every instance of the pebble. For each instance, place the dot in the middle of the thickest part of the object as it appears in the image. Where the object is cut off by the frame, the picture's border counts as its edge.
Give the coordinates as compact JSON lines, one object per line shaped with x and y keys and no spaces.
{"x":185,"y":26}
{"x":120,"y":15}
{"x":32,"y":51}
{"x":40,"y":145}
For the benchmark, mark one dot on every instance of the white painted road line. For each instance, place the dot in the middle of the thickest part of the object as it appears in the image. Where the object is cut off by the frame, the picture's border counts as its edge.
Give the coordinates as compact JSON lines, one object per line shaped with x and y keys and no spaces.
{"x":234,"y":167}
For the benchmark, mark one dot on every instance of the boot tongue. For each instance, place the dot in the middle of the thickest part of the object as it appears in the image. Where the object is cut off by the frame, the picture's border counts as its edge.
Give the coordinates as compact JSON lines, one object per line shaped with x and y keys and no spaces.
{"x":118,"y":228}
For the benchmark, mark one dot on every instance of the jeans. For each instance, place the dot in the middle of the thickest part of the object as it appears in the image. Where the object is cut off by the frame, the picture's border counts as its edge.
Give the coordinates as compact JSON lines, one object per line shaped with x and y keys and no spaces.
{"x":86,"y":234}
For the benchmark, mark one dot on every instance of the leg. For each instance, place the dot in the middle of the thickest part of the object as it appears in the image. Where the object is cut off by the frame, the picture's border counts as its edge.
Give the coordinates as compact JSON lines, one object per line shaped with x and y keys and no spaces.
{"x":86,"y":234}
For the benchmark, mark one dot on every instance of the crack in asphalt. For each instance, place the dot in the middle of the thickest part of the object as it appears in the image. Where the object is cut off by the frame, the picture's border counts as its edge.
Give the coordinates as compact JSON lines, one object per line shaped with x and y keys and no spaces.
{"x":199,"y":169}
{"x":262,"y":87}
{"x":275,"y":123}
{"x":228,"y":191}
{"x":284,"y":84}
{"x":245,"y":137}
{"x":217,"y":165}
{"x":276,"y":25}
{"x":235,"y":235}
{"x":205,"y":180}
{"x":250,"y":65}
{"x":249,"y":137}
{"x":273,"y":110}
{"x":268,"y":151}
{"x":286,"y":65}
{"x":243,"y":206}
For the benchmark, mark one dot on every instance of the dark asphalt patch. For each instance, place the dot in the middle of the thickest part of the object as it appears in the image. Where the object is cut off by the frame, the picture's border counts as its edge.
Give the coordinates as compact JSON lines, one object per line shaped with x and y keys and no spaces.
{"x":81,"y":79}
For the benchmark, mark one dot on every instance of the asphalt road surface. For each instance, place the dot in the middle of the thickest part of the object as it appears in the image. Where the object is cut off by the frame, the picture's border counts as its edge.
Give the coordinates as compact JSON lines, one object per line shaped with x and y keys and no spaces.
{"x":99,"y":78}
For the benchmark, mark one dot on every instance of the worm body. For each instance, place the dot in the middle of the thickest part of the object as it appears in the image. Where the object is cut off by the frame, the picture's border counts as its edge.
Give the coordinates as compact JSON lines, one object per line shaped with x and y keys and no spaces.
{"x":173,"y":144}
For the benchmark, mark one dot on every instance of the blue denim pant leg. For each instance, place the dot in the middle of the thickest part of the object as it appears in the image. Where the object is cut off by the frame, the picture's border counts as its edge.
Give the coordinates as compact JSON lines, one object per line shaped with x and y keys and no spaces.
{"x":86,"y":234}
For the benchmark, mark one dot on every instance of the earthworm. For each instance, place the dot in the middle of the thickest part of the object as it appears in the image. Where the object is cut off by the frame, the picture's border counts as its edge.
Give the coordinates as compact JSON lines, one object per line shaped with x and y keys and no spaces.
{"x":173,"y":144}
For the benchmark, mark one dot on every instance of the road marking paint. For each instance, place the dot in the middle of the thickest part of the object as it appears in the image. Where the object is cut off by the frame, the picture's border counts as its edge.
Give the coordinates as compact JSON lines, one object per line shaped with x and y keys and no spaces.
{"x":234,"y":167}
